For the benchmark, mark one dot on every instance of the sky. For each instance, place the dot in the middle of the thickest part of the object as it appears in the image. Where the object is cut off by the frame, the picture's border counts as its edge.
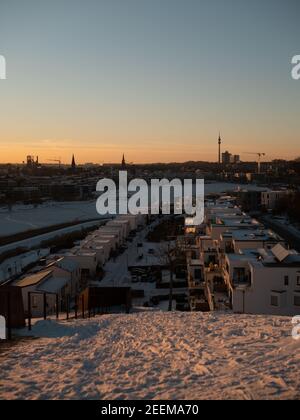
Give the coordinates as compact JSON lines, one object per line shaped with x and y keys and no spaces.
{"x":154,"y":79}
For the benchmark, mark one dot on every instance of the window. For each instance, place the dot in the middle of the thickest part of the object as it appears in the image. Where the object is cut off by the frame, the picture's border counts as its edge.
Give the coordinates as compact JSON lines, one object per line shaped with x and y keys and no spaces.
{"x":286,"y":280}
{"x":298,"y":280}
{"x":240,"y":275}
{"x":198,"y":274}
{"x":34,"y":301}
{"x":274,"y":300}
{"x":297,"y":300}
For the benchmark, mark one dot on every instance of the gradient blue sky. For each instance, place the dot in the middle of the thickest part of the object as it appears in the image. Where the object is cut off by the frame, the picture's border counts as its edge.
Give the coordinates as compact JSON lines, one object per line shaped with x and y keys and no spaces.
{"x":155,"y":79}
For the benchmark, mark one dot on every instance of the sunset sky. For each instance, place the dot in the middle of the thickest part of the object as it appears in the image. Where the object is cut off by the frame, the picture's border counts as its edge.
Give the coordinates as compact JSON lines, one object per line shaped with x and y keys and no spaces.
{"x":154,"y":79}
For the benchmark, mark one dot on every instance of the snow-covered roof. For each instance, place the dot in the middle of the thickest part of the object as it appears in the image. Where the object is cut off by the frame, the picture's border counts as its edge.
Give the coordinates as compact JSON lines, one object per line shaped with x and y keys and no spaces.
{"x":254,"y":235}
{"x":34,"y":279}
{"x":67,"y":264}
{"x":53,"y":284}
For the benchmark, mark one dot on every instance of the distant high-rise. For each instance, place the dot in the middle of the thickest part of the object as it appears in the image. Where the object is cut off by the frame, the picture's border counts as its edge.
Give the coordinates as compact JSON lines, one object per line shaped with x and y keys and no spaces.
{"x":219,"y":143}
{"x":226,"y":158}
{"x":236,"y":159}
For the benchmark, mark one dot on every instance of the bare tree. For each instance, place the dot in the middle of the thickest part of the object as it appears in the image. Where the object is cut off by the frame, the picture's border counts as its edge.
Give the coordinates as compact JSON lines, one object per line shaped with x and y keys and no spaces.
{"x":168,"y":255}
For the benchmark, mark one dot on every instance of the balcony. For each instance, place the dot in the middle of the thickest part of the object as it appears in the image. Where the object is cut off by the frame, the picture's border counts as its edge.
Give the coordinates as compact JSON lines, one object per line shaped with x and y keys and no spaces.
{"x":241,"y":279}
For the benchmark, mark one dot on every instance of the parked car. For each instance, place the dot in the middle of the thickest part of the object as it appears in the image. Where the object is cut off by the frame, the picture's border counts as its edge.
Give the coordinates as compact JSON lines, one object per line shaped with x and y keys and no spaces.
{"x":183,"y":307}
{"x":134,"y":278}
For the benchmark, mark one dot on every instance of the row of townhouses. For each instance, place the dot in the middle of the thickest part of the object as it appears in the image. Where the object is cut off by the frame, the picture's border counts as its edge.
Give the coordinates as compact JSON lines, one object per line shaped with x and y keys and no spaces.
{"x":66,"y":275}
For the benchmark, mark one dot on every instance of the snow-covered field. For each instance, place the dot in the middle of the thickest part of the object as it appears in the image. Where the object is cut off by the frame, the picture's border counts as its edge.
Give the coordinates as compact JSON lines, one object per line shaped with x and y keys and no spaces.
{"x":155,"y":355}
{"x":36,"y":241}
{"x":22,"y":218}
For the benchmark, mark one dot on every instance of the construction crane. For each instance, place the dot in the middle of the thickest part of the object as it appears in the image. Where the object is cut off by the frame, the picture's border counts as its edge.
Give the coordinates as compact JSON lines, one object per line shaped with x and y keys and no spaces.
{"x":55,"y":160}
{"x":260,"y":155}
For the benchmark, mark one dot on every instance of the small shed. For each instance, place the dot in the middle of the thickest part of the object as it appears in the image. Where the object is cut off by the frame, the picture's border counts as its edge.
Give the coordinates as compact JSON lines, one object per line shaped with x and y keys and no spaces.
{"x":11,"y":297}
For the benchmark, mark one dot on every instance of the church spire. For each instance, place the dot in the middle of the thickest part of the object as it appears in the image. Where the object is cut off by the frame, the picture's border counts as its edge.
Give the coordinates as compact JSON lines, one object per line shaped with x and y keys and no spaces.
{"x":73,"y":162}
{"x":123,"y":162}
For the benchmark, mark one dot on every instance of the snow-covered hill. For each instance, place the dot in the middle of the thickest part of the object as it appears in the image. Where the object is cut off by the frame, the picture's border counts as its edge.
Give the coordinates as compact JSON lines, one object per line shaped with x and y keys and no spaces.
{"x":156,"y":356}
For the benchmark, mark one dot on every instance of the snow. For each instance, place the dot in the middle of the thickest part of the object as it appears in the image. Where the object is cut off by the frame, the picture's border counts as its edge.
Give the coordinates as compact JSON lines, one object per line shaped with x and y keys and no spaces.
{"x":27,"y":217}
{"x":54,"y":284}
{"x":15,"y":266}
{"x":156,"y":355}
{"x":37,"y":240}
{"x":284,"y":223}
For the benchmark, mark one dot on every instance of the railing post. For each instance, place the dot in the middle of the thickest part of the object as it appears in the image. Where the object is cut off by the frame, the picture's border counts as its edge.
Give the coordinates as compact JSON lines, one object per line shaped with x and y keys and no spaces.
{"x":89,"y":306}
{"x":9,"y":335}
{"x":76,"y":307}
{"x":57,"y":306}
{"x":94,"y":308}
{"x":45,"y":305}
{"x":68,"y":306}
{"x":82,"y":304}
{"x":29,"y":311}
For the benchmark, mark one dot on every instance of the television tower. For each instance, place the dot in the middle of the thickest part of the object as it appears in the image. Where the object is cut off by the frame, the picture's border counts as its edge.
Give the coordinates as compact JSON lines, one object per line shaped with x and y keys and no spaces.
{"x":219,"y":143}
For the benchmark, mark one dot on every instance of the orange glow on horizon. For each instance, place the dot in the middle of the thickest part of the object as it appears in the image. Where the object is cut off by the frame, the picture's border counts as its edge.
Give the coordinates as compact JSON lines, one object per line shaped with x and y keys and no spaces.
{"x":100,"y":155}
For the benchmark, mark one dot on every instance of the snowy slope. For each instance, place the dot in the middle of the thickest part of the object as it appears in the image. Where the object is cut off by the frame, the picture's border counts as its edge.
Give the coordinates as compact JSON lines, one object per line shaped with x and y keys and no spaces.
{"x":156,"y":355}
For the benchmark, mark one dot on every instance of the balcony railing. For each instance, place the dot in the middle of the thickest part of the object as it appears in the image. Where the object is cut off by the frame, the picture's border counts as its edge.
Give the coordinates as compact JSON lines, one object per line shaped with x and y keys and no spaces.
{"x":241,"y":280}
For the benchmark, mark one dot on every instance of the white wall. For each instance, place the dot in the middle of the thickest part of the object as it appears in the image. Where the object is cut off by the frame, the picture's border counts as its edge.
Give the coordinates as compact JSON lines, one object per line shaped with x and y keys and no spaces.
{"x":258,"y":296}
{"x":86,"y":261}
{"x":37,"y":302}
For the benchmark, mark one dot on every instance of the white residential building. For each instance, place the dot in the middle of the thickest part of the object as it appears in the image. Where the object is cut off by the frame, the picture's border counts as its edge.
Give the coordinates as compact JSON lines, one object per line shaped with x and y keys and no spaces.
{"x":134,"y":221}
{"x":223,"y":224}
{"x":99,"y":250}
{"x":61,"y":278}
{"x":87,"y":262}
{"x":122,"y":224}
{"x":116,"y":231}
{"x":264,"y":281}
{"x":240,"y":239}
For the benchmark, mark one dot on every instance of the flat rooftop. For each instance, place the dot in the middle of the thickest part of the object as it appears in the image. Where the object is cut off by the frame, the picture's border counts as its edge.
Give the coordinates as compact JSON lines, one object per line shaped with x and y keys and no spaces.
{"x":255,"y":235}
{"x":266,"y":258}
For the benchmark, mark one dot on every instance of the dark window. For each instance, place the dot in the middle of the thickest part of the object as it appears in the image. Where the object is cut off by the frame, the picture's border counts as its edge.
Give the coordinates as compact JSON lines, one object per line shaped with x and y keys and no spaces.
{"x":298,"y":280}
{"x":274,"y":300}
{"x":297,"y":300}
{"x":286,"y":280}
{"x":35,"y":301}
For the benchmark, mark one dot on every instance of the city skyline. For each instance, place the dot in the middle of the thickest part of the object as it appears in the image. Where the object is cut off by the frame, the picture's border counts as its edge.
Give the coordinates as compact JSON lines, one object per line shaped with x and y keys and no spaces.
{"x":156,"y":81}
